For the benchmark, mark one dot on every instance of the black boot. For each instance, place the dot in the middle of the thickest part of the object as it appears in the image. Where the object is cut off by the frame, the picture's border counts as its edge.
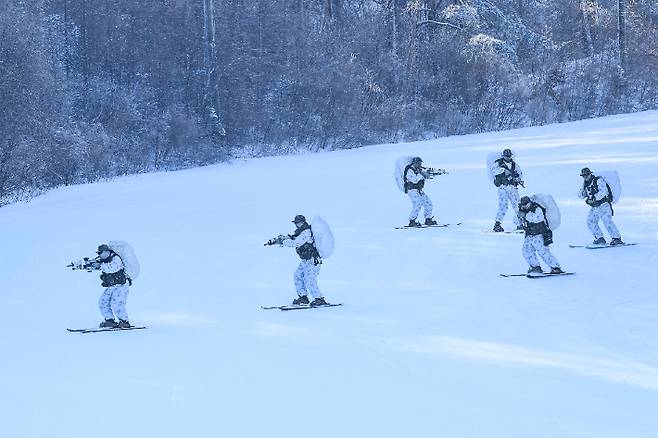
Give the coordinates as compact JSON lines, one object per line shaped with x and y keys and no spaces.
{"x":123,"y":323}
{"x":535,"y":270}
{"x":430,"y":221}
{"x":557,"y":270}
{"x":319,"y":302}
{"x":599,"y":241}
{"x":414,"y":223}
{"x":616,"y":241}
{"x":108,"y":323}
{"x":498,"y":228}
{"x":302,"y":299}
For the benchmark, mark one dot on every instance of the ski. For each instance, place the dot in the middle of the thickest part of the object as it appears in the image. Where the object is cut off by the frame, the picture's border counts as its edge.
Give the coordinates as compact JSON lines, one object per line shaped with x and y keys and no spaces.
{"x":548,"y":274}
{"x":601,"y":246}
{"x":300,"y":306}
{"x":406,"y":227}
{"x":105,"y":329}
{"x":545,"y":274}
{"x":503,"y":232}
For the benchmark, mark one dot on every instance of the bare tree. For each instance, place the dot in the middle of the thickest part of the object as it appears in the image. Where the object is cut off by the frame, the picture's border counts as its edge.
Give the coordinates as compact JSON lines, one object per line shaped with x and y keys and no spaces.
{"x":210,"y":64}
{"x":621,"y":32}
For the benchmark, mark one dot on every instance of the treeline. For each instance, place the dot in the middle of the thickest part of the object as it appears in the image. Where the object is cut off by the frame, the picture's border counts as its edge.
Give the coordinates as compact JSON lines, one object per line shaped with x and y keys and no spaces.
{"x":93,"y":89}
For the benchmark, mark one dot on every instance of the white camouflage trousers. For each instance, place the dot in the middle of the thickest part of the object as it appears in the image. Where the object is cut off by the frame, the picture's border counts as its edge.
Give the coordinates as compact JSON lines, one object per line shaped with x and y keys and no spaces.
{"x":113,"y":302}
{"x":602,"y":213}
{"x":508,"y":194}
{"x":533,"y":245}
{"x":419,"y":200}
{"x":306,"y":278}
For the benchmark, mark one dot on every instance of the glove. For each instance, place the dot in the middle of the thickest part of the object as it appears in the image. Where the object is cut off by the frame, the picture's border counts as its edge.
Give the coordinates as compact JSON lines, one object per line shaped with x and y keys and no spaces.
{"x":589,"y":202}
{"x":80,"y":264}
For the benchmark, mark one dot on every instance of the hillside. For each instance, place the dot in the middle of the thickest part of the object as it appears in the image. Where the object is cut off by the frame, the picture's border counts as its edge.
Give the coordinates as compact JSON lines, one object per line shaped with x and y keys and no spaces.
{"x":430,"y":342}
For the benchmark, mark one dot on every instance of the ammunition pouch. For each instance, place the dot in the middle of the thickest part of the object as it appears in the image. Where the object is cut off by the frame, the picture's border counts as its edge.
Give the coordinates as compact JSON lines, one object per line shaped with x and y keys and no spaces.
{"x":114,"y":278}
{"x":548,"y":237}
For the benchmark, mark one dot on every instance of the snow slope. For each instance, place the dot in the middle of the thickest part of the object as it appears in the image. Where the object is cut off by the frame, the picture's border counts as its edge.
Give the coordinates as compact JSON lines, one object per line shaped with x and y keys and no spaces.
{"x":431,"y":342}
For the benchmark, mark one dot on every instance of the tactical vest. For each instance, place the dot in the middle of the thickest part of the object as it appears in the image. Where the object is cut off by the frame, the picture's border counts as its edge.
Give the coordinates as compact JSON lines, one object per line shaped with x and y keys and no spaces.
{"x":114,"y":278}
{"x":592,"y":188}
{"x":408,"y":185}
{"x":308,"y":250}
{"x":504,"y":180}
{"x":535,"y":228}
{"x":540,"y":228}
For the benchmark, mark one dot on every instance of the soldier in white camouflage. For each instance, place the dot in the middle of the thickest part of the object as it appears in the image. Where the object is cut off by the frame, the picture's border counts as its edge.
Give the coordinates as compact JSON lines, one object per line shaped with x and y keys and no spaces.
{"x":598,"y":196}
{"x":306,"y":274}
{"x":414,"y":176}
{"x":538,"y":237}
{"x":112,"y":301}
{"x":507,"y":177}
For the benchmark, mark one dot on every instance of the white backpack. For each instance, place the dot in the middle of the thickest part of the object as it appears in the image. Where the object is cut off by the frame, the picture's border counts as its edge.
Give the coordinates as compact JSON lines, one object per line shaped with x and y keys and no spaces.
{"x":490,"y":161}
{"x":323,"y":237}
{"x":611,"y":177}
{"x":553,"y":216}
{"x":128,"y":257}
{"x":401,"y":164}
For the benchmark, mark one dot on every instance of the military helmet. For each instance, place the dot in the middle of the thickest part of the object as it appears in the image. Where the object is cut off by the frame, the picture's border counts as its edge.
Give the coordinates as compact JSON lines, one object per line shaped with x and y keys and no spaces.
{"x":417,"y":160}
{"x":299,"y":218}
{"x":585,"y":172}
{"x":507,"y":153}
{"x":103,"y":247}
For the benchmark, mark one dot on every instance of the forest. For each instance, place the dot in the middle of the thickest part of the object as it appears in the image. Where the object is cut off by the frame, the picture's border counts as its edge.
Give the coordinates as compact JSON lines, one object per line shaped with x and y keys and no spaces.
{"x":93,"y":89}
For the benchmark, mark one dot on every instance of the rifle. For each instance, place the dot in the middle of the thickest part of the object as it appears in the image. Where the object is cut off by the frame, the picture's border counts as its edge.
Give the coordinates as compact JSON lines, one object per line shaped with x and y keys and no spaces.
{"x":515,"y":177}
{"x":432,"y":172}
{"x":86,"y":264}
{"x":275,"y":241}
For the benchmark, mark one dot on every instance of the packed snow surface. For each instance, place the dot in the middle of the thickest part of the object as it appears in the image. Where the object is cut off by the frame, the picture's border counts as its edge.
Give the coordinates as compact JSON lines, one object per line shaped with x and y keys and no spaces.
{"x":430,"y":342}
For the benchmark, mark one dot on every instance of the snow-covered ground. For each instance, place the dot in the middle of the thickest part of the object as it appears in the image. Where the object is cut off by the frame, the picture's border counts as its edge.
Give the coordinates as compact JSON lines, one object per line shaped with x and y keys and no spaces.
{"x":431,"y":342}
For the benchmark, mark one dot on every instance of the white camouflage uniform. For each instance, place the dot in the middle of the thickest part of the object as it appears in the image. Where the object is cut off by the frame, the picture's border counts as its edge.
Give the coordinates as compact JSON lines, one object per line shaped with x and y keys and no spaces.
{"x":419,"y":198}
{"x":533,"y":245}
{"x":113,"y":300}
{"x":601,"y":213}
{"x":507,"y":194}
{"x":306,"y":274}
